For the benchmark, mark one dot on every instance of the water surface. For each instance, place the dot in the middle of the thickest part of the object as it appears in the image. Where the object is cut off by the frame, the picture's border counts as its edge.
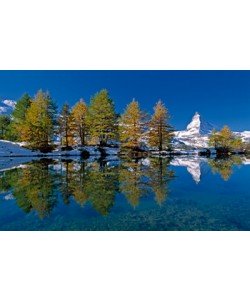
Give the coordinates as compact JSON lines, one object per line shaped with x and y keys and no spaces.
{"x":183,"y":193}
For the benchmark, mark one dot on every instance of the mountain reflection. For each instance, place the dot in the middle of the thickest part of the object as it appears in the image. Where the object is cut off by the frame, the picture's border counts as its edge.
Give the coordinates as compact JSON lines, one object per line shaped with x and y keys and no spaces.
{"x":197,"y":166}
{"x":41,"y":185}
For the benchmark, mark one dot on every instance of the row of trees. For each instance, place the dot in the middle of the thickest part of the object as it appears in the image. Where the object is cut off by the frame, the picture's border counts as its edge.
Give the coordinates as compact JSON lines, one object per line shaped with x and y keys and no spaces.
{"x":37,"y":123}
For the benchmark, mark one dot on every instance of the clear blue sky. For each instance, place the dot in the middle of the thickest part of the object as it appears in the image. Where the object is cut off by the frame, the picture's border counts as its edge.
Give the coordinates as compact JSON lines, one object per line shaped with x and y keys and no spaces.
{"x":221,"y":97}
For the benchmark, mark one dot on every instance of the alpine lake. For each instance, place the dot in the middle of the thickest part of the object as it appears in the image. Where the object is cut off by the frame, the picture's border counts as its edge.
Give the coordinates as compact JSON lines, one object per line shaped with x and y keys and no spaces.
{"x":179,"y":193}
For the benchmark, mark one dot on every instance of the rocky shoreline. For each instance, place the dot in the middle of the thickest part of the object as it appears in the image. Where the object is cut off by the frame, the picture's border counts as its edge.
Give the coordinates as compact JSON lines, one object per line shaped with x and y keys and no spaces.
{"x":11,"y":149}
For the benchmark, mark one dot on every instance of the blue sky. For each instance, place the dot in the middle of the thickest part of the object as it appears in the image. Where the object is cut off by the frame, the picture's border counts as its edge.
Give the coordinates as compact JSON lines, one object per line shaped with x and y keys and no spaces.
{"x":221,"y":97}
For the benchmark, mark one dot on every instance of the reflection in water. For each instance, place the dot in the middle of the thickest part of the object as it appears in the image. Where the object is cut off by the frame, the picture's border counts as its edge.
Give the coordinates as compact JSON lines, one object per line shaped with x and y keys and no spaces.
{"x":224,"y":166}
{"x":193,"y":165}
{"x":101,"y":186}
{"x":139,"y":178}
{"x":159,"y":176}
{"x":33,"y":187}
{"x":196,"y":165}
{"x":84,"y":182}
{"x":132,"y":182}
{"x":41,"y":185}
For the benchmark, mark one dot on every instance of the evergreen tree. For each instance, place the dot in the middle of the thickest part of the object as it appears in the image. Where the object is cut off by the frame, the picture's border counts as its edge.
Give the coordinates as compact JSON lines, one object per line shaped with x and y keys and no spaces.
{"x":21,"y":107}
{"x":225,"y":141}
{"x":131,"y":126}
{"x":4,"y":126}
{"x":18,"y":116}
{"x":102,"y":118}
{"x":38,"y":127}
{"x":65,"y":124}
{"x":160,"y":132}
{"x":79,"y":121}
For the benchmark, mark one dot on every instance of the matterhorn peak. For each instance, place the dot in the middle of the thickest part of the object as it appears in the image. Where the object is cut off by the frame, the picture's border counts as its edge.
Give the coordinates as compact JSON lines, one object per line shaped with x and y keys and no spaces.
{"x":198,"y":126}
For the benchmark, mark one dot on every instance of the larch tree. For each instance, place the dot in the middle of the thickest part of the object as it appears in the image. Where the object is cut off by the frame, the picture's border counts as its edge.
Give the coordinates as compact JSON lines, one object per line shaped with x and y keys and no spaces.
{"x":102,"y":118}
{"x":131,"y":126}
{"x":79,"y":121}
{"x":65,"y":126}
{"x":160,"y":132}
{"x":225,"y":141}
{"x":38,"y":127}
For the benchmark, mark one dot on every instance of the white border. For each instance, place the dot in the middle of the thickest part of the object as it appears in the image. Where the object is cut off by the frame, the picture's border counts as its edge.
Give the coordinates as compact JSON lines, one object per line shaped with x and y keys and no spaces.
{"x":111,"y":34}
{"x":129,"y":34}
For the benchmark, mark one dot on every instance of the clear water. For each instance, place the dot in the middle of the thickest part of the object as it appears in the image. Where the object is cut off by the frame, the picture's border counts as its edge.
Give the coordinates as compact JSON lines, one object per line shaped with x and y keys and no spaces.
{"x":186,"y":193}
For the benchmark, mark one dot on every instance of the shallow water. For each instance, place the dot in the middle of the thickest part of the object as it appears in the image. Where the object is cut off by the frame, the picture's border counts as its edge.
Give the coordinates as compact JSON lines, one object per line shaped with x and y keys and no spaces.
{"x":185,"y":193}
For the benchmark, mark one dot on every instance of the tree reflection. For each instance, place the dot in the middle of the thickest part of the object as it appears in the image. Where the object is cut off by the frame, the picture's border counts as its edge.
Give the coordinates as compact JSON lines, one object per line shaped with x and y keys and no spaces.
{"x":6,"y":179}
{"x":131,"y":181}
{"x":159,"y":177}
{"x":33,"y":188}
{"x":101,"y":186}
{"x":79,"y":181}
{"x":38,"y":185}
{"x":224,"y":166}
{"x":95,"y":184}
{"x":137,"y":179}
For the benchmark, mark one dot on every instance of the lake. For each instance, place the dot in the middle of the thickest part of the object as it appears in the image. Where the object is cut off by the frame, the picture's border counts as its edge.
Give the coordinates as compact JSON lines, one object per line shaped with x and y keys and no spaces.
{"x":182,"y":193}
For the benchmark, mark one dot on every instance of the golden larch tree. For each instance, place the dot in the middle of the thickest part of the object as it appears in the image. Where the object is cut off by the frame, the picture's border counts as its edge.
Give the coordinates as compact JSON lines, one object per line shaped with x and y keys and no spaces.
{"x":65,"y":126}
{"x":79,"y":121}
{"x":160,"y":132}
{"x":131,"y":125}
{"x":38,"y":128}
{"x":102,"y":118}
{"x":225,"y":141}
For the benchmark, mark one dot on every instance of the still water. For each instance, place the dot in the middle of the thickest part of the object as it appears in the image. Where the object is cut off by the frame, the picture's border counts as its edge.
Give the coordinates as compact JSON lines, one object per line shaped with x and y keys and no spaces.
{"x":183,"y":193}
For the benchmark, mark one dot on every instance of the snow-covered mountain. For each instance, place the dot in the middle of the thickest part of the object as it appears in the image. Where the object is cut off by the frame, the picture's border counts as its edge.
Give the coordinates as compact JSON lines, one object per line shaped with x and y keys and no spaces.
{"x":198,"y":126}
{"x":245,"y":135}
{"x":7,"y":106}
{"x":195,"y":135}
